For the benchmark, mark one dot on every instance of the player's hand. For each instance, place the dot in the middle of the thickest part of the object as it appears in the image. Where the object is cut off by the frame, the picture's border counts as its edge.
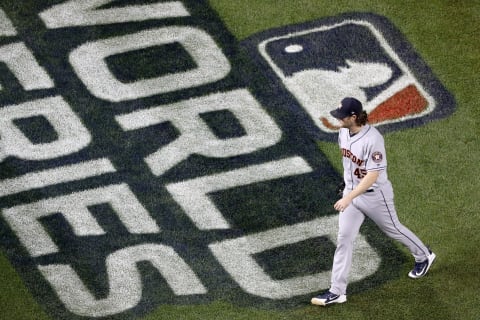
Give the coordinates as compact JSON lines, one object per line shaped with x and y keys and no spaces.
{"x":342,"y":204}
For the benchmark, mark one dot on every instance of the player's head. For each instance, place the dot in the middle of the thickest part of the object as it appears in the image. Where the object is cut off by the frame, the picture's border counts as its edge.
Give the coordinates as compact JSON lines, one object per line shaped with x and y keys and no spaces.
{"x":350,"y":109}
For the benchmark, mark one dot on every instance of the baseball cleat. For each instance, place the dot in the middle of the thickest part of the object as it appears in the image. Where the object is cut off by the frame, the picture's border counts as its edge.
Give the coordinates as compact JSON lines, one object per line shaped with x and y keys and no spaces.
{"x":421,"y":268}
{"x":328,"y":298}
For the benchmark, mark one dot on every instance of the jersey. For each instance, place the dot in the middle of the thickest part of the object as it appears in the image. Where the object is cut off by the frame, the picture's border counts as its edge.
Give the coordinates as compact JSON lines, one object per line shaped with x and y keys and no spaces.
{"x":362,"y":152}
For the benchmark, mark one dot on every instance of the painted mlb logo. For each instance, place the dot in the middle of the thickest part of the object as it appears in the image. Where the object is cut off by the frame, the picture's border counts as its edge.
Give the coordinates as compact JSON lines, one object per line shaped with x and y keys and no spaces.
{"x":359,"y":55}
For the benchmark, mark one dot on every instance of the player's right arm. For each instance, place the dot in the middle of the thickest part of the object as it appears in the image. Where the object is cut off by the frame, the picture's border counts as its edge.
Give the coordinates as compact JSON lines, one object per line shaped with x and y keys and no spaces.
{"x":363,"y":186}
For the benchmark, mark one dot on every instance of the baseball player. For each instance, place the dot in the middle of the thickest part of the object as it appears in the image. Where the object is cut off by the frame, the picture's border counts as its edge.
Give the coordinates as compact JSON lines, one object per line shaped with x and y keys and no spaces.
{"x":367,"y":192}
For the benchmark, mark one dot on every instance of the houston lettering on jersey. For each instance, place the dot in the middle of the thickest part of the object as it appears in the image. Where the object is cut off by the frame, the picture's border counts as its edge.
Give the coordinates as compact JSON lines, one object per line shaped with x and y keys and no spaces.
{"x":348,"y":154}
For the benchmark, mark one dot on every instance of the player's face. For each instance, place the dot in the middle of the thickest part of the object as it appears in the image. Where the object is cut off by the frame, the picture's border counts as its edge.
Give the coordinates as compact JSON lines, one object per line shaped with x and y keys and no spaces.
{"x":348,"y":122}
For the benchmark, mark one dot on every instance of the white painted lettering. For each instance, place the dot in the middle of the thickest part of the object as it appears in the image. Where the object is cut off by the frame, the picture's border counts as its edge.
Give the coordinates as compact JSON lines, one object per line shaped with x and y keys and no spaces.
{"x":192,"y":195}
{"x":125,"y":283}
{"x":49,"y":177}
{"x":20,"y":60}
{"x":236,"y":256}
{"x":6,"y":26}
{"x":72,"y":135}
{"x":86,"y":13}
{"x":23,"y":219}
{"x":196,"y":137}
{"x":88,"y":60}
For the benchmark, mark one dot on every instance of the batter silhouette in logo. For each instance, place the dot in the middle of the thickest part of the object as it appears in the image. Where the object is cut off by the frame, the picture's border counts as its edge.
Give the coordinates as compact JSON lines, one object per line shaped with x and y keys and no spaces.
{"x":315,"y":88}
{"x":360,"y":55}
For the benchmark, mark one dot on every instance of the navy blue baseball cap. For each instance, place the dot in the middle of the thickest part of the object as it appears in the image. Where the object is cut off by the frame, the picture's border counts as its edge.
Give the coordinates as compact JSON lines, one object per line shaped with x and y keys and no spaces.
{"x":349,"y":106}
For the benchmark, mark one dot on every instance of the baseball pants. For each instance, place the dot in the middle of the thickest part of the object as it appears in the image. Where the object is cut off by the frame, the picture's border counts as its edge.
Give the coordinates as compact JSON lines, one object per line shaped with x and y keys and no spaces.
{"x":379,"y":207}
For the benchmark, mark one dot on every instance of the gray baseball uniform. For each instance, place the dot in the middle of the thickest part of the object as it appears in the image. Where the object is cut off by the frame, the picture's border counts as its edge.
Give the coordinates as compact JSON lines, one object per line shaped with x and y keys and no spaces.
{"x":363,"y":152}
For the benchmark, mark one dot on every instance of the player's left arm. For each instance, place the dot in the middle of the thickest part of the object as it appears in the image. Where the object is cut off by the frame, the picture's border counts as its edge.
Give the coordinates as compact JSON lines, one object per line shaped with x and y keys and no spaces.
{"x":363,"y":186}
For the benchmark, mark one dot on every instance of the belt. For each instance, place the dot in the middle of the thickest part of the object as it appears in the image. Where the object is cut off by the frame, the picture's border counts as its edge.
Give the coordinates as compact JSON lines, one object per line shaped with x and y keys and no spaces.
{"x":370,"y":190}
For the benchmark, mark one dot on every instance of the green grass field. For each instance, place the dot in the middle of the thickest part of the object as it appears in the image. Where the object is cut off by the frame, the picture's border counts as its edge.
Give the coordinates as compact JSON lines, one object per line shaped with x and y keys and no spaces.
{"x":434,"y":170}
